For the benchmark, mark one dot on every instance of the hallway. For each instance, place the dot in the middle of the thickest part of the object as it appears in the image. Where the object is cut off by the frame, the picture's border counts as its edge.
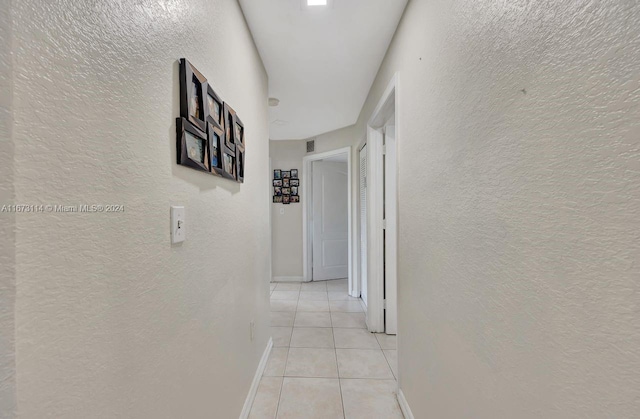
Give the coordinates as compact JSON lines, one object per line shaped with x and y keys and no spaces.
{"x":324,"y":363}
{"x":184,"y":184}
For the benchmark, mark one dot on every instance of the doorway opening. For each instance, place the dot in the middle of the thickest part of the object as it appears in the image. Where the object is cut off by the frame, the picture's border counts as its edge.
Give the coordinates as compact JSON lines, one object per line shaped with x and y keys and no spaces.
{"x":326,"y":212}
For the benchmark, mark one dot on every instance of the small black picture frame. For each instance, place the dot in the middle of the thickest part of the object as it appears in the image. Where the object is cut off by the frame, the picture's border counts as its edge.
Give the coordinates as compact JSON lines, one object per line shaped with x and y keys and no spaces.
{"x":238,"y":140}
{"x":277,"y":199}
{"x":229,"y":124}
{"x":295,"y":198}
{"x":240,"y":155}
{"x":193,"y":86}
{"x":228,"y":163}
{"x":192,"y":146}
{"x":215,"y":136}
{"x":286,"y":191}
{"x":214,"y":108}
{"x":294,"y":173}
{"x":286,"y":174}
{"x":286,"y":199}
{"x":295,"y":182}
{"x":277,"y":190}
{"x":294,"y":190}
{"x":277,"y":174}
{"x":286,"y":182}
{"x":277,"y":182}
{"x":238,"y":130}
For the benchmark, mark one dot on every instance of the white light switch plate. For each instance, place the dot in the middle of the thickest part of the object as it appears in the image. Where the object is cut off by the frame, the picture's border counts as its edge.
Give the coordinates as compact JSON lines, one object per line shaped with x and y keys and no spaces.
{"x":178,"y":228}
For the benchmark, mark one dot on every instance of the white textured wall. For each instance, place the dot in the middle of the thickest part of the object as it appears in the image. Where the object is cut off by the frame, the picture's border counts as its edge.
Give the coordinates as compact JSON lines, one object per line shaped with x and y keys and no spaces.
{"x":286,"y":237}
{"x":113,"y":321}
{"x":519,"y":206}
{"x":7,"y":222}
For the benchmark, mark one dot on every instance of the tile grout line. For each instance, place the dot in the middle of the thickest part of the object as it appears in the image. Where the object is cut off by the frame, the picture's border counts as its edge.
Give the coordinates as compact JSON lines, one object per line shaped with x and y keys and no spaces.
{"x":389,"y":364}
{"x":313,"y":377}
{"x":385,"y":357}
{"x":286,"y":360}
{"x":280,"y":394}
{"x":335,"y":349}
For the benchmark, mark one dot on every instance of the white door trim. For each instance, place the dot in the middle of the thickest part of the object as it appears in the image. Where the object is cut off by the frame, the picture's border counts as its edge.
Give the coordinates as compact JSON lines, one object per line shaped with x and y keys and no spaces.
{"x":307,"y":207}
{"x":356,"y":287}
{"x":391,"y":230}
{"x":375,"y":204}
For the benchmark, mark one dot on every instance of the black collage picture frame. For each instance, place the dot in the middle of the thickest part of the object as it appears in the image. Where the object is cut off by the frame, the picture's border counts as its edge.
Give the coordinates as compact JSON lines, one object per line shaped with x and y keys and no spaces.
{"x":210,"y":135}
{"x":285,"y":186}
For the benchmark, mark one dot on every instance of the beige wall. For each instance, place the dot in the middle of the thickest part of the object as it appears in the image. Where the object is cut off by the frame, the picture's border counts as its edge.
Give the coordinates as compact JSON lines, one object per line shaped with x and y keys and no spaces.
{"x":113,"y":321}
{"x":519,"y":207}
{"x":7,"y":222}
{"x":286,"y":237}
{"x":334,"y":140}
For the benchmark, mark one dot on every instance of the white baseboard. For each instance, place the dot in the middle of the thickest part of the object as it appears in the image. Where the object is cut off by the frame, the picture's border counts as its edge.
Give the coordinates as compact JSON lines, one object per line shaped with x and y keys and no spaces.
{"x":246,"y":409}
{"x":287,"y":279}
{"x":404,"y":406}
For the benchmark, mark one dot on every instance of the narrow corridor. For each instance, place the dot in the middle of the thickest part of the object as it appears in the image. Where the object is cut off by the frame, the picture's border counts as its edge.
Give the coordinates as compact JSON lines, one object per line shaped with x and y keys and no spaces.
{"x":324,"y":363}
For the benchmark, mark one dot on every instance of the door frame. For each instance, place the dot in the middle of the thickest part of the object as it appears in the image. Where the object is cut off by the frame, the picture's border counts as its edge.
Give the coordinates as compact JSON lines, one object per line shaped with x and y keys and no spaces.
{"x":356,"y":289}
{"x":375,"y":205}
{"x":307,"y":207}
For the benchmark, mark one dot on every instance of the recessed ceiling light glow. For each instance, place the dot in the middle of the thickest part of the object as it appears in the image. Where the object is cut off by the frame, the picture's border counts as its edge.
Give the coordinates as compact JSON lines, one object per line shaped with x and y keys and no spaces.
{"x":316,"y":2}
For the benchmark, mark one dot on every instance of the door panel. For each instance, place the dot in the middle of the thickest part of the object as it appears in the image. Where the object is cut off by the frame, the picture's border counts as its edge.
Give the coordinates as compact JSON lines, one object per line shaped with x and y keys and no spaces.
{"x":330,"y":220}
{"x":334,"y":253}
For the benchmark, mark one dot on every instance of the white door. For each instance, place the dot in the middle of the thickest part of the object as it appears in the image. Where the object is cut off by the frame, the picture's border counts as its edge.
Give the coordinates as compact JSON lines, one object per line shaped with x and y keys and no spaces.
{"x":363,"y":223}
{"x":390,"y":232}
{"x":330,"y":220}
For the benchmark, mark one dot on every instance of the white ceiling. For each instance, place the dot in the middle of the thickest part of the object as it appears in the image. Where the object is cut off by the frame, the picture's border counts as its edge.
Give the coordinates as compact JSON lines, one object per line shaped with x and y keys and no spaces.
{"x":321,"y":60}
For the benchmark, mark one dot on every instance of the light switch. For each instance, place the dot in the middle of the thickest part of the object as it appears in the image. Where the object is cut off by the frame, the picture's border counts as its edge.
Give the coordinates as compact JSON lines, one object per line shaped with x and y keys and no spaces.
{"x":281,"y":211}
{"x":178,"y":228}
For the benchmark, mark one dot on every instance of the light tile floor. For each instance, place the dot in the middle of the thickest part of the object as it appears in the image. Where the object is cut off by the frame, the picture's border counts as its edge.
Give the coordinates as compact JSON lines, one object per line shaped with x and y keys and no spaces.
{"x":324,"y":363}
